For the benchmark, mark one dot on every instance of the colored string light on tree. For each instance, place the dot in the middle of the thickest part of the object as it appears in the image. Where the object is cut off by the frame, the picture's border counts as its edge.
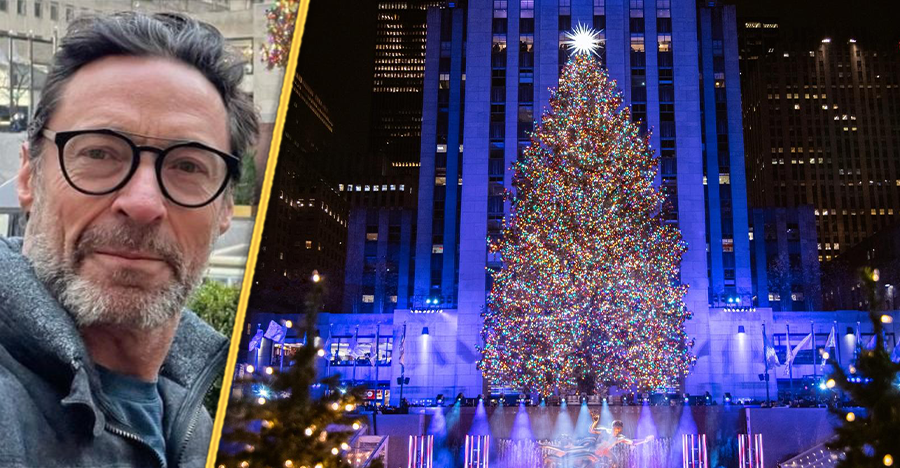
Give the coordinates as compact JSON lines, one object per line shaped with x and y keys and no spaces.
{"x":280,"y":20}
{"x":588,"y":296}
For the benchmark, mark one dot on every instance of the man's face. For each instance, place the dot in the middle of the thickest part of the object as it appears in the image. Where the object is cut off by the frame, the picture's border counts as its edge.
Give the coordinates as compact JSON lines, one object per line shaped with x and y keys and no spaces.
{"x":130,"y":258}
{"x":616,"y":431}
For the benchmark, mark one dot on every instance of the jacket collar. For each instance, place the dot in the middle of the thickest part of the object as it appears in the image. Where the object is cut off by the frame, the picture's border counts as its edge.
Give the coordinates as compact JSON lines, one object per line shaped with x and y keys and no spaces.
{"x":40,"y":334}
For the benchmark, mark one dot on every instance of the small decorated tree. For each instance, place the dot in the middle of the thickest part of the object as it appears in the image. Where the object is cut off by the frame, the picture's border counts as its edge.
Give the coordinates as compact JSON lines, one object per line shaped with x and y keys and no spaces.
{"x":869,"y":438}
{"x":289,"y":419}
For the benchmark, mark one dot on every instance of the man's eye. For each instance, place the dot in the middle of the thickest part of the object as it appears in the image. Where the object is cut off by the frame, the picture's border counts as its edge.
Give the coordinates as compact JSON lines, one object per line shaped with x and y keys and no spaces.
{"x":187,"y":166}
{"x":98,"y":154}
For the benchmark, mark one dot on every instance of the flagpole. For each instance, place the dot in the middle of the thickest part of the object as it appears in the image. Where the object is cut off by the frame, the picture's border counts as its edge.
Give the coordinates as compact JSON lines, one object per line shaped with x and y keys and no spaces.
{"x":790,"y":358}
{"x":402,"y":366}
{"x":328,"y":353}
{"x":812,"y":344}
{"x":375,"y":361}
{"x":837,"y":342}
{"x":375,"y":357}
{"x":766,"y":362}
{"x":353,"y":351}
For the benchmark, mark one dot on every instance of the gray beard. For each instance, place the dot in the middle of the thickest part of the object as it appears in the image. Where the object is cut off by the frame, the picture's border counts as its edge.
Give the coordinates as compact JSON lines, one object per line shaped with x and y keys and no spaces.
{"x":128,"y":304}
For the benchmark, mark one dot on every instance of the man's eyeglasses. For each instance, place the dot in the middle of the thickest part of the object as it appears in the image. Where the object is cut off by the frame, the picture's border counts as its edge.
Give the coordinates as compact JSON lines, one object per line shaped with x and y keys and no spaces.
{"x":101,"y":161}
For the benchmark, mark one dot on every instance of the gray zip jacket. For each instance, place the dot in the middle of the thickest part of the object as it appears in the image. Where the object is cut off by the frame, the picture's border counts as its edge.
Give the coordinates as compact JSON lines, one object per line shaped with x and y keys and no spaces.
{"x":52,"y":411}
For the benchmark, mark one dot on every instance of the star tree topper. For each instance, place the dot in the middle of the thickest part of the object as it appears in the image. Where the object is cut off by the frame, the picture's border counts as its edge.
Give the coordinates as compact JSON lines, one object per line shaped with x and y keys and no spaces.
{"x":583,"y":40}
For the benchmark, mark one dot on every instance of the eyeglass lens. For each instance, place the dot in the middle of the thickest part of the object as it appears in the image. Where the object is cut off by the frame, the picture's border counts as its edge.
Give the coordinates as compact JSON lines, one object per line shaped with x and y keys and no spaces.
{"x":99,"y":163}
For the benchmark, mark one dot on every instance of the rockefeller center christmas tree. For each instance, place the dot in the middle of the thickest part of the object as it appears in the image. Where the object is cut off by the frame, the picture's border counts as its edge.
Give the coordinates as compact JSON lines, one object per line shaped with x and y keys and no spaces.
{"x":588,"y":296}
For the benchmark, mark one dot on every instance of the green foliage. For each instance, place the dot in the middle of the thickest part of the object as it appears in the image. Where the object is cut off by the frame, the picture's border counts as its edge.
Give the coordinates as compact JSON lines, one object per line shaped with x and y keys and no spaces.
{"x":868,"y":436}
{"x":245,"y":191}
{"x":217,"y":304}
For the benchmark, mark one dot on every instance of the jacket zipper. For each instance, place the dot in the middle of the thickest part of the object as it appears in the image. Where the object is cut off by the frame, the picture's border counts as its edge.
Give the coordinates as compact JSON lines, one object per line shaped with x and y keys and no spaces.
{"x":136,"y":438}
{"x":192,"y":424}
{"x":205,"y":381}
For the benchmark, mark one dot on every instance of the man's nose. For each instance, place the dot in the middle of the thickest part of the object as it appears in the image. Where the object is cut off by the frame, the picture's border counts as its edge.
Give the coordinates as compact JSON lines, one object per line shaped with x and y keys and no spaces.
{"x":141,"y":199}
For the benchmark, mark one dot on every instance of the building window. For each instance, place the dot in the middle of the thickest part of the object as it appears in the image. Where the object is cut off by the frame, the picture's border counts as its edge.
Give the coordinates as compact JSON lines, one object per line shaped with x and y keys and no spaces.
{"x":371,"y":236}
{"x":368,"y":298}
{"x":38,"y":8}
{"x":308,"y":244}
{"x":727,"y":245}
{"x":3,"y":5}
{"x":20,"y":7}
{"x":437,"y":249}
{"x":54,"y":11}
{"x":393,"y":299}
{"x":342,"y":353}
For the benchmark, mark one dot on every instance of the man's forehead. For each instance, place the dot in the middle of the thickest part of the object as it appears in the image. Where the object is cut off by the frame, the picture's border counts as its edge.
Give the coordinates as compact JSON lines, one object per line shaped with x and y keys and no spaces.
{"x":151,"y":96}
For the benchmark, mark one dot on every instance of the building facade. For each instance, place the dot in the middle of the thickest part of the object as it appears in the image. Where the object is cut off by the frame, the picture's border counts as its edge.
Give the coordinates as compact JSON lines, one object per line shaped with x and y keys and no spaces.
{"x":307,"y":217}
{"x":822,"y":108}
{"x":677,"y":68}
{"x":397,"y":81}
{"x":785,"y":260}
{"x":840,"y":277}
{"x":379,"y":265}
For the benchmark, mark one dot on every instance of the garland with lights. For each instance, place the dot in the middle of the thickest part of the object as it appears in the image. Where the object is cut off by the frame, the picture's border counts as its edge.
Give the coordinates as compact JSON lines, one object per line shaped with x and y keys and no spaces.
{"x":588,"y":296}
{"x":280,"y":20}
{"x":287,"y":425}
{"x":869,"y":438}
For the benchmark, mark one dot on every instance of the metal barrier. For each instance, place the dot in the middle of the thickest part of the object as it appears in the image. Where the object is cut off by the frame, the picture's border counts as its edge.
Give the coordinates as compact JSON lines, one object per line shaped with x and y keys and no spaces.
{"x":750,"y":451}
{"x":421,"y":451}
{"x":693,"y":451}
{"x":477,"y":450}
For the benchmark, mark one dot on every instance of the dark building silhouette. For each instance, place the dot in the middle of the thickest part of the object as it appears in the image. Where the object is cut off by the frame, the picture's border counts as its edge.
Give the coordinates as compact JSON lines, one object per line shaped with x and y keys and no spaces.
{"x":397,"y":80}
{"x":306,"y":221}
{"x":822,"y":113}
{"x":841,"y":280}
{"x":784,"y":258}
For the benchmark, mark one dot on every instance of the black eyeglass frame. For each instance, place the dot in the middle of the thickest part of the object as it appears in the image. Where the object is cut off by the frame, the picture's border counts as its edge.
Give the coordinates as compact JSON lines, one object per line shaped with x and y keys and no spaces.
{"x":232,"y":162}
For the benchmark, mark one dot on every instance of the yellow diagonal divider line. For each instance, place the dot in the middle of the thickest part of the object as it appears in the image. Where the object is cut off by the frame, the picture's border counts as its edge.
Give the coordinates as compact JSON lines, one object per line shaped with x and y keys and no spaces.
{"x":281,"y":113}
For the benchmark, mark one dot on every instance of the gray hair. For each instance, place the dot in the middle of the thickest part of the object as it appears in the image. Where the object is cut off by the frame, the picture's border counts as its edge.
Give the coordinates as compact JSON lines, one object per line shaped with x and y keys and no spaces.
{"x":166,"y":35}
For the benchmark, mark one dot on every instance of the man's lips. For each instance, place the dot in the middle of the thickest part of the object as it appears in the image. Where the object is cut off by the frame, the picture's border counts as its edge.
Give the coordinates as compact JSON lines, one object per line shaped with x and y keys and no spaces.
{"x":131,"y":255}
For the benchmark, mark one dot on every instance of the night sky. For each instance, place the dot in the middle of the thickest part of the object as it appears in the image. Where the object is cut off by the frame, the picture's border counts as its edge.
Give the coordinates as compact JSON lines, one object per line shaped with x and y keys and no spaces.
{"x":337,"y":49}
{"x":336,"y":58}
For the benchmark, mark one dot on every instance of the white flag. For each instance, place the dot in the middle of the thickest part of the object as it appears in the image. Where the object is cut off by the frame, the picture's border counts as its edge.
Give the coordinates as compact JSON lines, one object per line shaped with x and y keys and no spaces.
{"x":354,"y":345}
{"x":799,"y":346}
{"x":829,"y":343}
{"x":792,"y":353}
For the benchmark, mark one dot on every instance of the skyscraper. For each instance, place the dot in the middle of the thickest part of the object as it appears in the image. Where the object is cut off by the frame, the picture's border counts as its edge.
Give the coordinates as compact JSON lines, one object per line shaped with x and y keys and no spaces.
{"x":398,"y":74}
{"x":306,"y":222}
{"x":822,"y":108}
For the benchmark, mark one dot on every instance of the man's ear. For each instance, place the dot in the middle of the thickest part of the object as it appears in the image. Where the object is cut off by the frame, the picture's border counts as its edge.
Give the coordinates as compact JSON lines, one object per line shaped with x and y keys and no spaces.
{"x":226,"y":213}
{"x":25,"y":179}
